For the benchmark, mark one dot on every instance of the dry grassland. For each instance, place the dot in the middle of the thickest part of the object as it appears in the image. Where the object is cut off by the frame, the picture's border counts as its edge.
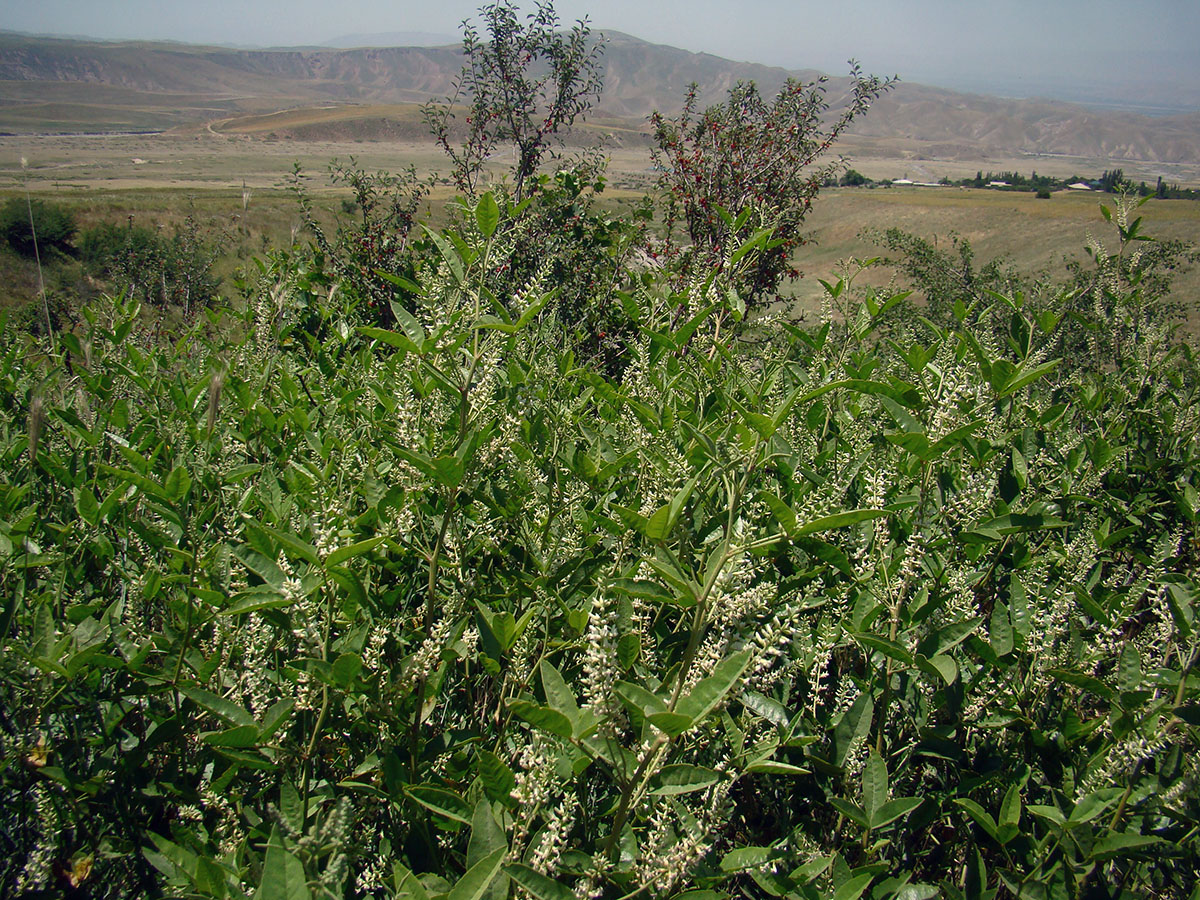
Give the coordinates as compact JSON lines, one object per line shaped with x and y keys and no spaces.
{"x":162,"y":178}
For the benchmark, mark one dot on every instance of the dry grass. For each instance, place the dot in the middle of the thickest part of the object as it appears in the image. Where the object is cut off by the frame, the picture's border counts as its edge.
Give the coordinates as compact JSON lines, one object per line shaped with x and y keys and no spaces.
{"x":161,"y":178}
{"x":1034,"y":235}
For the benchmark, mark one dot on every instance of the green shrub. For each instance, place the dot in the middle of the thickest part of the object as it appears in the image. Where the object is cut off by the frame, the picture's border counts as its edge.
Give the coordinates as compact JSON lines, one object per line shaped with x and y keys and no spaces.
{"x":438,"y":610}
{"x":165,"y":270}
{"x":367,"y":253}
{"x":54,"y":225}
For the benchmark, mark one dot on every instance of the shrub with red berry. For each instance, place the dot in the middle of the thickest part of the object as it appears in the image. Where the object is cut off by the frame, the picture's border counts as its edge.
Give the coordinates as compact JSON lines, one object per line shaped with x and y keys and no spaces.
{"x":367,"y":252}
{"x":747,"y":164}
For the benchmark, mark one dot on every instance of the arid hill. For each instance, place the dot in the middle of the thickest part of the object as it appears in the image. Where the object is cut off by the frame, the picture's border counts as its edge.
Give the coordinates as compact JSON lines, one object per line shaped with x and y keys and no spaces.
{"x":51,"y":85}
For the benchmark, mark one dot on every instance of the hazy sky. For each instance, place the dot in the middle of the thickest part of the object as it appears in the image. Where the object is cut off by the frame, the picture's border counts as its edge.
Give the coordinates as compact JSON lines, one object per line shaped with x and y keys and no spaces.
{"x":963,"y":43}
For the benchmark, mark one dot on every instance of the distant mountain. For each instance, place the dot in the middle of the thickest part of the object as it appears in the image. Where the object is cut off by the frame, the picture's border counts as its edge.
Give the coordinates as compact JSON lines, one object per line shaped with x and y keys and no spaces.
{"x":55,"y":85}
{"x":395,"y":39}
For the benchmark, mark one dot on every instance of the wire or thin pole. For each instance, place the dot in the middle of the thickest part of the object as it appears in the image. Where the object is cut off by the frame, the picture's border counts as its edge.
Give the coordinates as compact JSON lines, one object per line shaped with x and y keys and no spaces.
{"x":36,"y":253}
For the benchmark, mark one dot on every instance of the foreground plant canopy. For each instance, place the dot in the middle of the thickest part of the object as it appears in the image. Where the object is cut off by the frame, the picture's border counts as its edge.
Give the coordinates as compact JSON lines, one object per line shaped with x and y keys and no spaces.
{"x":883,"y":608}
{"x":508,"y":560}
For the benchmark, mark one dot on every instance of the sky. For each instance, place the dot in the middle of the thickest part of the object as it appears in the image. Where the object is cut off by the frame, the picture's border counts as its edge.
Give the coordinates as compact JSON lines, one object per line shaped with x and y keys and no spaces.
{"x":1011,"y":47}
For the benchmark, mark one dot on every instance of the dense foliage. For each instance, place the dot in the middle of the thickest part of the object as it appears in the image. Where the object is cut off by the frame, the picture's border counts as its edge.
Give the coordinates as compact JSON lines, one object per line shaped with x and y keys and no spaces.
{"x":163,"y":269}
{"x":22,"y":220}
{"x":506,"y":560}
{"x":886,"y":608}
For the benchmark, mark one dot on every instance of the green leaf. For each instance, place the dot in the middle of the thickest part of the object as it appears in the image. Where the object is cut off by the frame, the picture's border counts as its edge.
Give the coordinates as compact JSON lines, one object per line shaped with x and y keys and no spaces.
{"x":264,"y":568}
{"x":87,"y":506}
{"x":177,"y":484}
{"x":940,"y":666}
{"x":486,"y":834}
{"x":412,"y":327}
{"x":441,"y":801}
{"x":949,"y":636}
{"x":1180,"y":600}
{"x":346,"y":669}
{"x":904,"y":419}
{"x":559,"y":694}
{"x":254,"y":599}
{"x":854,"y":888}
{"x":282,"y":873}
{"x":682,"y":779}
{"x":840,"y":520}
{"x":300,"y":548}
{"x":1014,"y":523}
{"x":543,"y":717}
{"x":874,"y":784}
{"x":663,"y":520}
{"x":775,"y":767}
{"x":487,"y":214}
{"x":1018,"y":382}
{"x":754,"y":241}
{"x":540,"y":886}
{"x":1121,"y":843}
{"x":1020,"y":469}
{"x":853,"y":725}
{"x":147,"y":485}
{"x":1088,"y":808}
{"x":644,"y":590}
{"x":1129,"y":671}
{"x":1049,"y":813}
{"x":737,"y":306}
{"x":341,"y":554}
{"x":408,"y":886}
{"x":711,"y":690}
{"x":783,"y":513}
{"x":766,"y":707}
{"x":1087,"y":682}
{"x":1010,"y":812}
{"x":534,"y":308}
{"x":828,"y":553}
{"x":639,"y":699}
{"x":1000,"y":633}
{"x":239,"y":736}
{"x":228,"y":710}
{"x":741,"y":858}
{"x":391,"y":338}
{"x":498,"y":779}
{"x":888,"y":648}
{"x":448,"y":253}
{"x":399,"y":281}
{"x":671,"y":723}
{"x":892,"y":810}
{"x":475,"y":880}
{"x":981,"y":816}
{"x":629,"y":649}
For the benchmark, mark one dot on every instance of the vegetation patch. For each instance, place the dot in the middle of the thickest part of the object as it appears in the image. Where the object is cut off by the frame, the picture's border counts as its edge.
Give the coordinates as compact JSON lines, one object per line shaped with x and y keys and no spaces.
{"x":501,"y":558}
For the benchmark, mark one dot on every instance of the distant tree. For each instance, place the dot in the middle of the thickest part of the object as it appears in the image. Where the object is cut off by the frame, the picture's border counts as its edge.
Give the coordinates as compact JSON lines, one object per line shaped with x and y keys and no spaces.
{"x":525,"y":83}
{"x":1114,"y":182}
{"x":854,"y":178}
